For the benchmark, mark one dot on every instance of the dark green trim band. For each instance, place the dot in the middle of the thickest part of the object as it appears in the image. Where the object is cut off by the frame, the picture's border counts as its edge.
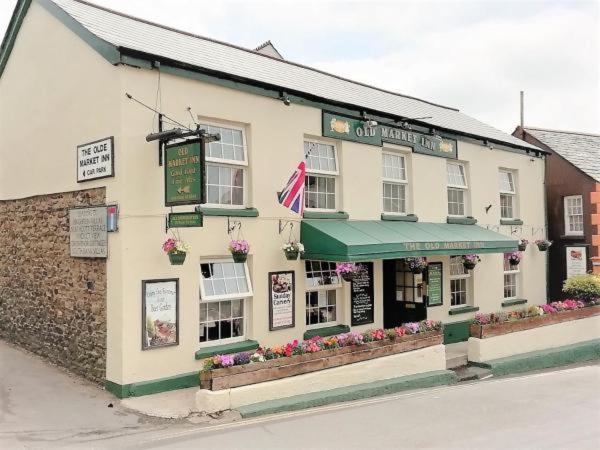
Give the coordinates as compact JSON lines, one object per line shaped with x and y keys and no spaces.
{"x":463,"y":310}
{"x":327,"y":331}
{"x":12,"y":30}
{"x":461,"y":220}
{"x":514,"y":301}
{"x":511,"y":222}
{"x":399,"y":217}
{"x":326,"y":215}
{"x":228,"y":212}
{"x":182,"y":381}
{"x":226,"y":349}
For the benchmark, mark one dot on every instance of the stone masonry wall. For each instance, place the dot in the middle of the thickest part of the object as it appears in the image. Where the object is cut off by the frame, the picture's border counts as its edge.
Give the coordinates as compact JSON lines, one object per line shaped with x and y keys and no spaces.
{"x":50,"y":303}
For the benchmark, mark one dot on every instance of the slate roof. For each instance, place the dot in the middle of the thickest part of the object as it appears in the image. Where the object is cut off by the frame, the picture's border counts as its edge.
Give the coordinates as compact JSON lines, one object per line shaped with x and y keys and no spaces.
{"x":580,"y":149}
{"x":130,"y":33}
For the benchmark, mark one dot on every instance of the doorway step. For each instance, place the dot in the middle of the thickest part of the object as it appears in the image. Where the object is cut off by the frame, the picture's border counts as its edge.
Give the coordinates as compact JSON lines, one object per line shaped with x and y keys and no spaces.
{"x":456,"y":355}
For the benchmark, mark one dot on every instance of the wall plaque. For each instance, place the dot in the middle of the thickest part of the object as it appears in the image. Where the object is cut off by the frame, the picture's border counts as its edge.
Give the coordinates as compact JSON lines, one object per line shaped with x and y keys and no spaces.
{"x":282,"y":303}
{"x":185,"y":219}
{"x":87,"y":232}
{"x":362,"y":296}
{"x":183,"y":174}
{"x":160,"y":313}
{"x":435,"y":291}
{"x":96,"y":160}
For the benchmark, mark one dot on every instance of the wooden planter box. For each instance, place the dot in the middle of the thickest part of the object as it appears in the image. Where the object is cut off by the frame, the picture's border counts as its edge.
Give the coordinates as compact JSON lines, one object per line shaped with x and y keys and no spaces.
{"x":497,"y":329}
{"x":274,"y":369}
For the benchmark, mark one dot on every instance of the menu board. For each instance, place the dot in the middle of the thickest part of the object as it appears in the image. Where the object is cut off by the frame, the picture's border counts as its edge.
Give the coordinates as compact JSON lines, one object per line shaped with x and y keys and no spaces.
{"x":362,"y":296}
{"x":434,"y":284}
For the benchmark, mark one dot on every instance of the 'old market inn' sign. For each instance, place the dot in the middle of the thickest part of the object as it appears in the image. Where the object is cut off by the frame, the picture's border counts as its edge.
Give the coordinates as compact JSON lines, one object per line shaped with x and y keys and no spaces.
{"x":357,"y":130}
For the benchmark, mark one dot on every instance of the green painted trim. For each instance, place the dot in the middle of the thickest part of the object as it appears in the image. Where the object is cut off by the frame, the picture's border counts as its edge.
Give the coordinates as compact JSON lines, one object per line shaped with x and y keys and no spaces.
{"x":514,"y":301}
{"x":461,"y":220}
{"x":543,"y":359}
{"x":400,"y":218}
{"x":511,"y":222}
{"x":326,"y":215}
{"x":463,"y":310}
{"x":327,"y":331}
{"x":182,"y":381}
{"x":228,"y":212}
{"x":456,"y":331}
{"x":226,"y":349}
{"x":350,"y":393}
{"x":8,"y":42}
{"x":395,"y":255}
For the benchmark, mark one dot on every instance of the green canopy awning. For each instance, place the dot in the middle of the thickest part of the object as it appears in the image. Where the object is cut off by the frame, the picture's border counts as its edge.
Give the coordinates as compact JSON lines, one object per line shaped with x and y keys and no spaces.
{"x":361,"y":240}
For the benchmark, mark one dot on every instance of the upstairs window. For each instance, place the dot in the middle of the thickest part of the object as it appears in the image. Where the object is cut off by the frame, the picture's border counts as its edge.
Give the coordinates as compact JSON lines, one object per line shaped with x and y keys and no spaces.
{"x":457,"y":189}
{"x":507,"y":194}
{"x":573,"y":205}
{"x":321,"y":176}
{"x":394,"y":183}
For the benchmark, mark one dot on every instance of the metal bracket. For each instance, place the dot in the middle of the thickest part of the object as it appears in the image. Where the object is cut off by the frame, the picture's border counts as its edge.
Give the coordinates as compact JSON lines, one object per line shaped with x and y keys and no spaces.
{"x":232,"y":225}
{"x":516,"y":229}
{"x":160,"y":143}
{"x":283,"y":224}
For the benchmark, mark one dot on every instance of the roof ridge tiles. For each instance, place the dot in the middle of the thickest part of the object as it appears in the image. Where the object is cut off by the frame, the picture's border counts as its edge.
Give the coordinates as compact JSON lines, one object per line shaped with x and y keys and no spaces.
{"x":580,"y":133}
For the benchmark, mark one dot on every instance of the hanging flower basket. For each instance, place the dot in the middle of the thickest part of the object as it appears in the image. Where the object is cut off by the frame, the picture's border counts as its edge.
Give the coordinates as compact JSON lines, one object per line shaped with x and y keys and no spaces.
{"x":416,"y":265}
{"x":470,"y":261}
{"x":523,"y":245}
{"x":239,"y":250}
{"x":514,"y":258}
{"x":348,"y":271}
{"x":239,"y":257}
{"x":543,"y":244}
{"x":176,"y":250}
{"x":177,"y":259}
{"x":293,"y":250}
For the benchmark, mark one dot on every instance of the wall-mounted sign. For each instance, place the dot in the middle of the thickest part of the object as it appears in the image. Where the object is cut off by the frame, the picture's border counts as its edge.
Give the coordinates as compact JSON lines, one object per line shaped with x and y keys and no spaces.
{"x":87,"y":232}
{"x":96,"y":160}
{"x":576,"y":261}
{"x":160,"y":313}
{"x":362,"y":297}
{"x":282,"y":303}
{"x":185,"y":219}
{"x":345,"y":128}
{"x":183,"y":174}
{"x":435,"y":290}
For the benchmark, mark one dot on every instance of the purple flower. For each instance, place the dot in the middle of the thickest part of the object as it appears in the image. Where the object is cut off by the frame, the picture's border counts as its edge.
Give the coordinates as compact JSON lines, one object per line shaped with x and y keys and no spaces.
{"x":226,"y":360}
{"x":412,"y":327}
{"x":350,"y":267}
{"x":239,"y":246}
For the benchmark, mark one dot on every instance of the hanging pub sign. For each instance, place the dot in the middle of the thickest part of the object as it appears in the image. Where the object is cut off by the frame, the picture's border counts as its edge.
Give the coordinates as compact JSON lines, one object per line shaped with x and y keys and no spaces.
{"x":281,"y":300}
{"x":434,"y":284}
{"x":345,"y":128}
{"x":96,"y":160}
{"x":160,"y":313}
{"x":87,"y":232}
{"x":362,"y":297}
{"x":183,"y":173}
{"x":576,"y":261}
{"x":185,"y":220}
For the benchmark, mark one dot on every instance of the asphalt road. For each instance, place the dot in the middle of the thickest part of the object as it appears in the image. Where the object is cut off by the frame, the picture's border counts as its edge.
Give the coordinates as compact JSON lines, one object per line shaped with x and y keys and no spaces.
{"x":42,"y":407}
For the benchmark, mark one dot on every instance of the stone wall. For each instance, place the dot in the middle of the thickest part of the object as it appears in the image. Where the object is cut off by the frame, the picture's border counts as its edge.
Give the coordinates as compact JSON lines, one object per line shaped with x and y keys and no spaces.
{"x":50,"y":303}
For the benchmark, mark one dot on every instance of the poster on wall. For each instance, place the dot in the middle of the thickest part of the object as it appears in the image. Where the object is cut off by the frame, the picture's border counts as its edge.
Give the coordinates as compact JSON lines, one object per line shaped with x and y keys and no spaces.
{"x":281,"y":300}
{"x":87,"y":232}
{"x":434,"y":284}
{"x":160,"y":313}
{"x":362,"y":298}
{"x":576,"y":261}
{"x":96,"y":160}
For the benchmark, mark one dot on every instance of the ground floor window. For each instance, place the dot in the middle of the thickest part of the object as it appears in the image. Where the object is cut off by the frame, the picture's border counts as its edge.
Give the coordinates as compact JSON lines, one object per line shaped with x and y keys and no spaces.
{"x":322,"y":285}
{"x":459,"y":282}
{"x":221,"y":320}
{"x":511,"y":279}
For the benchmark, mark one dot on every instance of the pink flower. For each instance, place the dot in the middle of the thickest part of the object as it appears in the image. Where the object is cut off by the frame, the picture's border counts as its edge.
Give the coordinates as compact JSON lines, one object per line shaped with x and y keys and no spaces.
{"x":169,"y":245}
{"x":239,"y":246}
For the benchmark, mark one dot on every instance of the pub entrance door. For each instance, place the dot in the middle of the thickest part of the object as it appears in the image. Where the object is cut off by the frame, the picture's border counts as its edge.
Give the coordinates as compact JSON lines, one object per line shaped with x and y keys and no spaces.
{"x":403,"y":294}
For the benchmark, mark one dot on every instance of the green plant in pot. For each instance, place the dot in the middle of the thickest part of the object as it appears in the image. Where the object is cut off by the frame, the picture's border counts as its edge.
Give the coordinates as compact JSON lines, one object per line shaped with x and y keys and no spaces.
{"x":470,"y":261}
{"x":293,"y":250}
{"x":239,"y":249}
{"x":177,"y":250}
{"x":543,"y":244}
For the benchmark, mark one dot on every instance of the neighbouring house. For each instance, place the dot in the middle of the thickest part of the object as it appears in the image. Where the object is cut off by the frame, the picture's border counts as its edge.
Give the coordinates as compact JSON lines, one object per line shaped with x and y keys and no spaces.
{"x":86,"y":202}
{"x":572,"y":199}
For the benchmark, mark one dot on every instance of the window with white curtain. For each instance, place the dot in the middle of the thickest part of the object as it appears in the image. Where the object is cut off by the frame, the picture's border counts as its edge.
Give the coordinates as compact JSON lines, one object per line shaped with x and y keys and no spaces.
{"x":321,"y":176}
{"x":395,"y":183}
{"x":508,"y":194}
{"x":457,"y":189}
{"x":573,"y":205}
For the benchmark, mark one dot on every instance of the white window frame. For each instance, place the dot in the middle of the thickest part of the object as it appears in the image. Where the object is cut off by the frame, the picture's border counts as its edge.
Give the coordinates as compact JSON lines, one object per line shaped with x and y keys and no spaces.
{"x":512,"y":194}
{"x":464,"y":188}
{"x":402,"y":182}
{"x":325,"y":174}
{"x":513,"y":270}
{"x":230,"y":163}
{"x":328,"y":287}
{"x":568,"y":231}
{"x":463,"y":276}
{"x":245,"y":298}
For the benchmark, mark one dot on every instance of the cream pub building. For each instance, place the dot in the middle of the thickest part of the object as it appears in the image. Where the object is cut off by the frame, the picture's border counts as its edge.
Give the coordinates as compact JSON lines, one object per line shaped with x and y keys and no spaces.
{"x":388,"y":177}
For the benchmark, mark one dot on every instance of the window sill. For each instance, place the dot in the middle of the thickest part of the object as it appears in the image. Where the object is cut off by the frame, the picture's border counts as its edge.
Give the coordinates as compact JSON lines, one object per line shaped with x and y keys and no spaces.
{"x":573,"y":237}
{"x":236,"y":347}
{"x":229,"y":212}
{"x":511,"y":222}
{"x":325,"y":215}
{"x":514,"y":301}
{"x":399,"y":217}
{"x":326,"y":331}
{"x":461,"y":220}
{"x":463,"y":310}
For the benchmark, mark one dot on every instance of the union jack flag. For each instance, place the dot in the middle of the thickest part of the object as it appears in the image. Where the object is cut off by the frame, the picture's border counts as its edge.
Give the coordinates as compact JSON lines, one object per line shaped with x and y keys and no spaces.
{"x":292,"y":195}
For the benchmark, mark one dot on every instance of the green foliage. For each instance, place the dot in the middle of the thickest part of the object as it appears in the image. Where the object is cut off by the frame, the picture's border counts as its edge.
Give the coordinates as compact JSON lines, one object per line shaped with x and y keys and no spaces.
{"x":583,"y":287}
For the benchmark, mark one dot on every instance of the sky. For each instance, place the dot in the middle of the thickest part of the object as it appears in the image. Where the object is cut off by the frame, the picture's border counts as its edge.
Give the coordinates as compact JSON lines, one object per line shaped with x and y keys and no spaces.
{"x":474,"y":55}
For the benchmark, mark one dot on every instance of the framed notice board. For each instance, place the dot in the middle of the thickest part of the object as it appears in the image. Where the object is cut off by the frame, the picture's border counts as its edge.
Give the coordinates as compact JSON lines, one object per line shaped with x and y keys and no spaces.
{"x":282,"y":304}
{"x":435,"y":284}
{"x":362,"y":296}
{"x":184,"y":173}
{"x":160,"y":313}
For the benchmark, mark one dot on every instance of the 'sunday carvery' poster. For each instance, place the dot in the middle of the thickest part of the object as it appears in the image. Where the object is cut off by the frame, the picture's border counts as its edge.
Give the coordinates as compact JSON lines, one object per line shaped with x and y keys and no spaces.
{"x":281,"y":300}
{"x":160,"y":327}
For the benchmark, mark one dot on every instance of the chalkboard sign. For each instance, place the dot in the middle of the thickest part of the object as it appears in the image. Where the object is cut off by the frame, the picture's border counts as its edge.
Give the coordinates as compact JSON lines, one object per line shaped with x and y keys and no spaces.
{"x":362,"y":296}
{"x":434,"y":284}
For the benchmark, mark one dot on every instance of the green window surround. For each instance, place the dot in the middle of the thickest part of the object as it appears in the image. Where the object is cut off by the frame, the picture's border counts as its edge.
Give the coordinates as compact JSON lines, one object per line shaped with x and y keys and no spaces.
{"x":511,"y":222}
{"x":463,"y":310}
{"x":514,"y":301}
{"x":228,"y":212}
{"x":400,"y":218}
{"x":461,"y":220}
{"x":226,"y":349}
{"x":341,"y":215}
{"x":327,"y":331}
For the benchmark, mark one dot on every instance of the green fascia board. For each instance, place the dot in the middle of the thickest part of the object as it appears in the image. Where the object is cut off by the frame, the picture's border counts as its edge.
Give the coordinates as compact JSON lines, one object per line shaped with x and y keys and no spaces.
{"x":340,"y":215}
{"x":463,"y":310}
{"x":228,"y":212}
{"x":327,"y":331}
{"x":400,"y":217}
{"x":8,"y":41}
{"x":514,"y":301}
{"x":365,"y":240}
{"x":226,"y":349}
{"x":511,"y":222}
{"x":182,"y":381}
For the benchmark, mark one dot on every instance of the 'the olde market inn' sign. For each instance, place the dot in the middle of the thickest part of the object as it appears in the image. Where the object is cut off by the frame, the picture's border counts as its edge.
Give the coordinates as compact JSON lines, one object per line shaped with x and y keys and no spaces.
{"x":345,"y":128}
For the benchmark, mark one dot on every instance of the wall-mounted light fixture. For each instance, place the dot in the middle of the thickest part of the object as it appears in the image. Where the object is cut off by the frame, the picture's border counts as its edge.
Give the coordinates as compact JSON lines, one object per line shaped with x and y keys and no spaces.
{"x":285,"y":99}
